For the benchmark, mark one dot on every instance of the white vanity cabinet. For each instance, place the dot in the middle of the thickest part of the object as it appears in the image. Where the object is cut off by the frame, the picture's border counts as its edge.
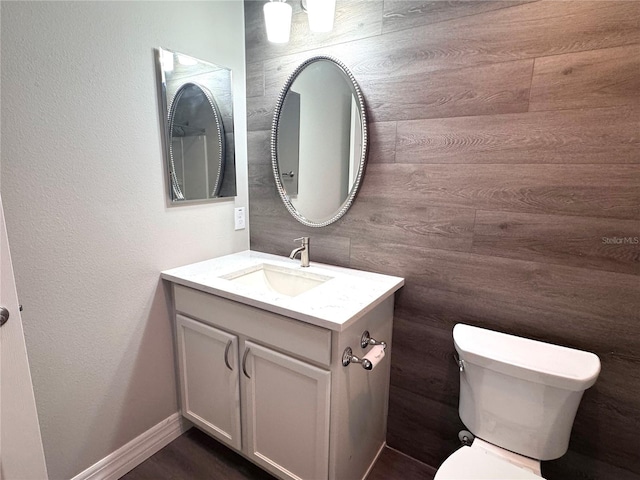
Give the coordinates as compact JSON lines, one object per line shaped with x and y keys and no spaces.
{"x":286,"y":414}
{"x":278,"y":367}
{"x":266,"y":376}
{"x":208,"y":364}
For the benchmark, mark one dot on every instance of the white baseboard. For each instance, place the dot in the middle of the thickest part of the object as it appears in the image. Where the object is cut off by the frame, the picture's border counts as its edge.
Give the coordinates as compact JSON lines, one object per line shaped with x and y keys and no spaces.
{"x":129,"y":456}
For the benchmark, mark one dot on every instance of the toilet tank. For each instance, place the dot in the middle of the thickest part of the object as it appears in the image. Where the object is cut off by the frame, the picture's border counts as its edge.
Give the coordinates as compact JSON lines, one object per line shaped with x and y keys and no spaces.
{"x":521,"y":394}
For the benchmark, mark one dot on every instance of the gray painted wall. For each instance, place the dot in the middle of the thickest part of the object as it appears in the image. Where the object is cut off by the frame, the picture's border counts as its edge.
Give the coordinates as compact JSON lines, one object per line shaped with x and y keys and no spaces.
{"x":84,"y":193}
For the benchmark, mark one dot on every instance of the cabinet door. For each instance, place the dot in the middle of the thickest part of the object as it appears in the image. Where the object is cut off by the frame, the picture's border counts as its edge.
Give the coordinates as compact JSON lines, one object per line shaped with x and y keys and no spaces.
{"x":286,"y":413}
{"x":209,"y":380}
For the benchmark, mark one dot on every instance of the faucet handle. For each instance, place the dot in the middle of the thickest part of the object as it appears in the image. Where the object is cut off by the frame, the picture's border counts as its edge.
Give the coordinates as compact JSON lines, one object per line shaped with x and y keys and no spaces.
{"x":303,"y":240}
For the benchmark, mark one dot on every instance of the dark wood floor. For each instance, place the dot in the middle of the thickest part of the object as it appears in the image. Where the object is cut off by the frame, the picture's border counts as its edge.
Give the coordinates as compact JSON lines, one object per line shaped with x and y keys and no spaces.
{"x":194,"y":455}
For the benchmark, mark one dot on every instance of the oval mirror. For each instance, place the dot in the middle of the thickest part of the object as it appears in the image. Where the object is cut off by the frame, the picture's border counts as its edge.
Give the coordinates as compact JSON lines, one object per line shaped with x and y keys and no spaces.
{"x":196,"y":144}
{"x":319,"y":141}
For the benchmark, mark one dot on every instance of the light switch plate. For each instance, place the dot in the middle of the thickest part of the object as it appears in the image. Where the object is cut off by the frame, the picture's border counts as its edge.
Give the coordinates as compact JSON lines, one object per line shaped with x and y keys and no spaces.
{"x":239,"y":218}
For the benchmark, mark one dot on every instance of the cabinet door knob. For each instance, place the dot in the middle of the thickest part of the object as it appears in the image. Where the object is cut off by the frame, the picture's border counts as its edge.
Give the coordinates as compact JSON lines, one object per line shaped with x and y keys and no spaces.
{"x":226,"y":355}
{"x":4,"y":315}
{"x":244,"y":362}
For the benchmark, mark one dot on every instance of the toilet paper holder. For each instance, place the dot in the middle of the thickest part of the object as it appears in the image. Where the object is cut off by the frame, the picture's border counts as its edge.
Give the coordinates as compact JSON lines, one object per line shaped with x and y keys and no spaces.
{"x":366,"y":340}
{"x":348,"y":357}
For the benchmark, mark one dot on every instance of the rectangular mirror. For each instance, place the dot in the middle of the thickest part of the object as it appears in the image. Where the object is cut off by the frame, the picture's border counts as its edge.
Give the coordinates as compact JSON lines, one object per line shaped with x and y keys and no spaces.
{"x":196,"y":107}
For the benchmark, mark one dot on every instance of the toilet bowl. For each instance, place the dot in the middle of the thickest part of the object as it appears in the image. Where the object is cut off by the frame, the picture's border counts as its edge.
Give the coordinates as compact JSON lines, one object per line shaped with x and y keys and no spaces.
{"x":519,"y":397}
{"x":485,"y":461}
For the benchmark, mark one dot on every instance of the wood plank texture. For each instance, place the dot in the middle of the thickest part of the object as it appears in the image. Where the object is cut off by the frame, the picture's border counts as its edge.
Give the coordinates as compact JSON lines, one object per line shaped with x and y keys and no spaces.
{"x":382,"y":142}
{"x":598,"y":294}
{"x":438,"y":309}
{"x":323,"y":248}
{"x":602,"y":409}
{"x":403,"y":14}
{"x":423,"y":364}
{"x":423,"y":361}
{"x":573,"y":465}
{"x":522,"y":32}
{"x":196,"y":456}
{"x":421,"y":427}
{"x":557,"y":189}
{"x":255,"y":79}
{"x":599,"y":135}
{"x":481,"y":90}
{"x":260,"y":112}
{"x":259,"y":147}
{"x":395,"y":465}
{"x":597,"y":78}
{"x":598,"y":243}
{"x":422,"y":225}
{"x":504,"y":146}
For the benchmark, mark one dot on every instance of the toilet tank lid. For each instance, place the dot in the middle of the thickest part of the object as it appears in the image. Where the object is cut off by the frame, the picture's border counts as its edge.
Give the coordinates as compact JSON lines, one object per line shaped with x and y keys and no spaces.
{"x":528,"y":359}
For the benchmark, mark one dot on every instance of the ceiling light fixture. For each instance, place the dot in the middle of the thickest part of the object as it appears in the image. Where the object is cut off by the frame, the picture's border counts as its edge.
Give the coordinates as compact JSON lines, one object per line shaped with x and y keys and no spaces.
{"x":277,"y":18}
{"x":166,"y":60}
{"x":187,"y":61}
{"x":321,"y":14}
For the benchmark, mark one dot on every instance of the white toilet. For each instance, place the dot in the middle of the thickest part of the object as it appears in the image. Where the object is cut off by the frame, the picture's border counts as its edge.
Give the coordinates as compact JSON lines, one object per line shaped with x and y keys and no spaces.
{"x":519,"y":398}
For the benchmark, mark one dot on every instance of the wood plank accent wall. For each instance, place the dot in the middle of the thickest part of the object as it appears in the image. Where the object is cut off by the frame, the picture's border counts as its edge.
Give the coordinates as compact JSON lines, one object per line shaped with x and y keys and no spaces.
{"x":505,"y":147}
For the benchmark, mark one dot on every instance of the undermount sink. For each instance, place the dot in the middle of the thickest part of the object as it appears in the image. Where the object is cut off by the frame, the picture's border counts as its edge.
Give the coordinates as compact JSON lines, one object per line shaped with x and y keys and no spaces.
{"x":271,"y":278}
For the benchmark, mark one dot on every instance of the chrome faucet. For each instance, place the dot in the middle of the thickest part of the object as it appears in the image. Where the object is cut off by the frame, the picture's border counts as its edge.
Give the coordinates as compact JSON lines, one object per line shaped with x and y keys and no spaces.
{"x":303,"y":250}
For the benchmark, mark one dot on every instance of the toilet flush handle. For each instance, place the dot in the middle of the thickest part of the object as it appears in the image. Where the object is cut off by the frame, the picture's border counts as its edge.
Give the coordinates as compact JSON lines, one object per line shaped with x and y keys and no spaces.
{"x":459,"y":362}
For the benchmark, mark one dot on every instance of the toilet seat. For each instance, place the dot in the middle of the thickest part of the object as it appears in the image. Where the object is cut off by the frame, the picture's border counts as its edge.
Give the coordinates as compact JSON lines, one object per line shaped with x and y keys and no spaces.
{"x":469,"y":463}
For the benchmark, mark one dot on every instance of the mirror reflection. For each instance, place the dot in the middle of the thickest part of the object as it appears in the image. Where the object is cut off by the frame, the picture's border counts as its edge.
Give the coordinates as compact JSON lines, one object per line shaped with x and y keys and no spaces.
{"x":319,"y":141}
{"x":197,"y":108}
{"x":197,"y":144}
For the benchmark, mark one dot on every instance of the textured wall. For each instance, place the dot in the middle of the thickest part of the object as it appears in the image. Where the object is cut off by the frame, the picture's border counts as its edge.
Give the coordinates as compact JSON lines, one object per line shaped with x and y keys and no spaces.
{"x":84,"y":194}
{"x":504,"y":147}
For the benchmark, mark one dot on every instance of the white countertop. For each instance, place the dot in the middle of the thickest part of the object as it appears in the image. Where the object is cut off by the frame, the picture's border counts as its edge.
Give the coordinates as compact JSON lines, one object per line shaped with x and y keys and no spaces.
{"x":335,"y":304}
